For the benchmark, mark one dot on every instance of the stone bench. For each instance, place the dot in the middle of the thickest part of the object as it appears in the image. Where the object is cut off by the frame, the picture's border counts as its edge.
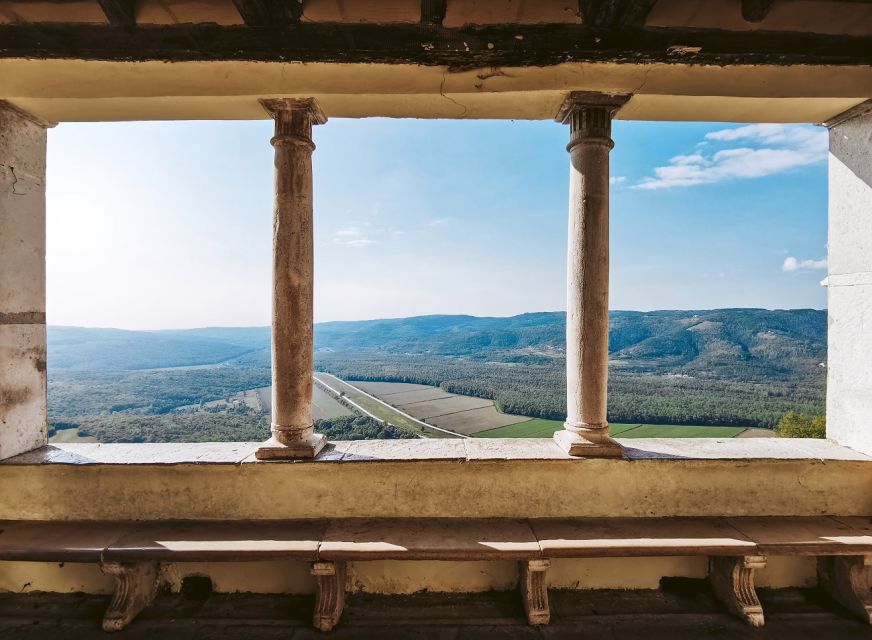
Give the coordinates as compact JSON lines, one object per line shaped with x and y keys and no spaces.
{"x":736,"y":547}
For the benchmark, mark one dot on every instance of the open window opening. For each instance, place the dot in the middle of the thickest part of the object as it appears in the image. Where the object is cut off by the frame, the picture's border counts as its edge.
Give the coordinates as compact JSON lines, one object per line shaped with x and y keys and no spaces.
{"x":440,"y":279}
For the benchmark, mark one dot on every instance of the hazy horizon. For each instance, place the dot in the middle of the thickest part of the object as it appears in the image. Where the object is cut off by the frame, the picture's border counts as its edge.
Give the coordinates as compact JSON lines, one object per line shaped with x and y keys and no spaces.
{"x":426,"y":218}
{"x":266,"y":326}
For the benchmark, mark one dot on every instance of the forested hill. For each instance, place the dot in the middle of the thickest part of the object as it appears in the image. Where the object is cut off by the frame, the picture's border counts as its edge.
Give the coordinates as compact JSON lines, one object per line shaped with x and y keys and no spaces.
{"x":751,"y":341}
{"x":721,"y":343}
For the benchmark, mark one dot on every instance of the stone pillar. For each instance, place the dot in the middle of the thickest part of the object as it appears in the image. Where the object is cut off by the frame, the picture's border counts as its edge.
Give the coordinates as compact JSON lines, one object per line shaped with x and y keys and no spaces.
{"x":849,"y":280}
{"x":293,"y":274}
{"x":586,"y":431}
{"x":23,"y":422}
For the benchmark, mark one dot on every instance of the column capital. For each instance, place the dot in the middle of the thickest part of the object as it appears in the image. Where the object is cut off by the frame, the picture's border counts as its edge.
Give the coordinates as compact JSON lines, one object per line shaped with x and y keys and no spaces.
{"x":294,"y":118}
{"x":589,"y":116}
{"x":276,"y":106}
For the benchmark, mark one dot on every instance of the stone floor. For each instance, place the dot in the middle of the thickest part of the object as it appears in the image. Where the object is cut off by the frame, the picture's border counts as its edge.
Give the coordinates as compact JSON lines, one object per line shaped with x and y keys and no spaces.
{"x":682,"y":609}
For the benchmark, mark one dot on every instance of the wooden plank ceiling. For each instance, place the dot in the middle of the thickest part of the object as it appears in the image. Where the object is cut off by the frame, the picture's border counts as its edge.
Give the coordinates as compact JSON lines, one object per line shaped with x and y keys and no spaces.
{"x":456,"y":33}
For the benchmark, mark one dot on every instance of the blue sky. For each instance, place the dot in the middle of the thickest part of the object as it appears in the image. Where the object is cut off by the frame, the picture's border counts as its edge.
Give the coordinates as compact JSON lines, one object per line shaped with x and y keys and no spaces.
{"x":165,"y":225}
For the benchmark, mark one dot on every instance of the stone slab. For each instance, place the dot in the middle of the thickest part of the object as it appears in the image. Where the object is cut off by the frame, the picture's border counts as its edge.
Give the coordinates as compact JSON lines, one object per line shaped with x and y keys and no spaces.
{"x":804,"y":536}
{"x":469,"y":449}
{"x":513,"y":449}
{"x":737,"y":449}
{"x":57,"y":541}
{"x":217,"y":541}
{"x":429,"y":539}
{"x":88,"y":453}
{"x":631,"y":537}
{"x":405,"y":450}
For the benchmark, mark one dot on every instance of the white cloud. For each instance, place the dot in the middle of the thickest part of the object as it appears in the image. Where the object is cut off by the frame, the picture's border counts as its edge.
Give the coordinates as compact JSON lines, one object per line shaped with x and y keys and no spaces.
{"x":776,"y":148}
{"x":436,"y":222}
{"x":352,"y":237}
{"x":792,"y":264}
{"x":617,"y":179}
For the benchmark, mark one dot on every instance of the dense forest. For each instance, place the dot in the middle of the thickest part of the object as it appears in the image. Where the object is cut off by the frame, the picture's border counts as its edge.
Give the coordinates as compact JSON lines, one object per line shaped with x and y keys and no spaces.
{"x":213,"y":428}
{"x":743,"y":367}
{"x":539,"y":390}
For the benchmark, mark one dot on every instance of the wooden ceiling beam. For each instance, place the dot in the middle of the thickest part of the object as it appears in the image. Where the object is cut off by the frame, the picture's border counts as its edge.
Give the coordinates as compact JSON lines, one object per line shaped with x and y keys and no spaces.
{"x":119,"y":13}
{"x":756,"y":10}
{"x":269,"y":13}
{"x":433,"y":11}
{"x":615,"y":13}
{"x":466,"y":47}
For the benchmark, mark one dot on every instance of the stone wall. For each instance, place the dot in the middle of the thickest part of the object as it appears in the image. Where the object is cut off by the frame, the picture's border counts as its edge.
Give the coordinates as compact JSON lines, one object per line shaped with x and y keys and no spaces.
{"x":22,"y":283}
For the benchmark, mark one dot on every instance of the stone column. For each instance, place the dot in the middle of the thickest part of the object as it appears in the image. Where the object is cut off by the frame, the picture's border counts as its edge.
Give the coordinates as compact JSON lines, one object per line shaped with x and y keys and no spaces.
{"x":23,"y":423}
{"x":586,"y":431}
{"x":293,"y":273}
{"x":849,"y":279}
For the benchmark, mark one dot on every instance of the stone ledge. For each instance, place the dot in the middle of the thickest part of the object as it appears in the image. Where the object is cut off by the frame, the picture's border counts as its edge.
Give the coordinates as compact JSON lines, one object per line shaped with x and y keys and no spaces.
{"x":466,"y":450}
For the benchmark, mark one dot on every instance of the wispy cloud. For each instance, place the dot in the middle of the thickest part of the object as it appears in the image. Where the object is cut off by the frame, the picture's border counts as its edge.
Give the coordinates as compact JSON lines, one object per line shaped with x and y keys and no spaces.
{"x":768,"y":149}
{"x":794,"y":264}
{"x":352,"y":237}
{"x":435,"y":222}
{"x":617,"y":180}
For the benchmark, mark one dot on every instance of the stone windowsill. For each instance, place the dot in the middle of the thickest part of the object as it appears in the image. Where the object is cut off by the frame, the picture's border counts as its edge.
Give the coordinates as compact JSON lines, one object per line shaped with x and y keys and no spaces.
{"x":465,"y":450}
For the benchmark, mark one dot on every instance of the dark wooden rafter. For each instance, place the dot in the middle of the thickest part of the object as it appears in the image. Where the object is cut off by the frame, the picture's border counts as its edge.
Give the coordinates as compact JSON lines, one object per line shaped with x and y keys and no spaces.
{"x":462,"y":48}
{"x":119,"y":13}
{"x":615,"y":13}
{"x":756,"y":10}
{"x":433,"y":11}
{"x":269,"y":13}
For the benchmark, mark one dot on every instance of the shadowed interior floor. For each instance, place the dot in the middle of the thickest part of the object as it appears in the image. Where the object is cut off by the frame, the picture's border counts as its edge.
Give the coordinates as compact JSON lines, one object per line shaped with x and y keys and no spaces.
{"x":681,"y":609}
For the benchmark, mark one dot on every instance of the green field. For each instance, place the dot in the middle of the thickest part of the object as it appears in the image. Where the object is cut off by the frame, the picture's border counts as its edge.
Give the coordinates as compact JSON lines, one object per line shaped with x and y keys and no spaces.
{"x":379,"y":410}
{"x":538,"y":428}
{"x":325,"y":406}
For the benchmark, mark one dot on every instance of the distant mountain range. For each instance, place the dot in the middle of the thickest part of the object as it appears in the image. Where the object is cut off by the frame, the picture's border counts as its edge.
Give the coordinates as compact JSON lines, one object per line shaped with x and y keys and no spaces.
{"x":727,"y":343}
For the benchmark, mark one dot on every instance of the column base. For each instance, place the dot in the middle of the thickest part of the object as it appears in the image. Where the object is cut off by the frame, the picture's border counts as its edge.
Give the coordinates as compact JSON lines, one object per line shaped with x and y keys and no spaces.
{"x":577,"y":445}
{"x":309,"y":447}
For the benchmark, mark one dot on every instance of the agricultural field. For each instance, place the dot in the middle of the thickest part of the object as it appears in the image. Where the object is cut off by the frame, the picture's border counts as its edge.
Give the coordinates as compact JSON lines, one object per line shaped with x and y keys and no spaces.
{"x":381,"y":410}
{"x":479,"y":417}
{"x":466,"y":415}
{"x":326,"y":407}
{"x":537,"y":428}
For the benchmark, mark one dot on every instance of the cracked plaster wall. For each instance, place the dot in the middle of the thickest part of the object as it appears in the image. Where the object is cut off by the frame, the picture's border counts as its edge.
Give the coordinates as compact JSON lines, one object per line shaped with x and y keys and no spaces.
{"x":22,"y":283}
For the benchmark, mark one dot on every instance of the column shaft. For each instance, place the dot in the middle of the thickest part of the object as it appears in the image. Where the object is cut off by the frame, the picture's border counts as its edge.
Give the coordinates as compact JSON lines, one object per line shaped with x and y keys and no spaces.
{"x":293,"y":277}
{"x":586,"y":431}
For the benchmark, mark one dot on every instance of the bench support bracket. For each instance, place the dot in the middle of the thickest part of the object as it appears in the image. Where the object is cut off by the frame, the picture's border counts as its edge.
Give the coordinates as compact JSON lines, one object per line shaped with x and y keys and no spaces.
{"x":843,"y":578}
{"x":534,"y":590}
{"x":135,"y":588}
{"x":732,"y":580}
{"x":329,"y":594}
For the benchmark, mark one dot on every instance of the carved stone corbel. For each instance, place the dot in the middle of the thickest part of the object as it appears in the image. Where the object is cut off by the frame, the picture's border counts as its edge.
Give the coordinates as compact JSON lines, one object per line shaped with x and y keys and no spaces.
{"x":135,"y":587}
{"x":843,"y":578}
{"x":329,"y":594}
{"x":732,"y":580}
{"x":534,"y":590}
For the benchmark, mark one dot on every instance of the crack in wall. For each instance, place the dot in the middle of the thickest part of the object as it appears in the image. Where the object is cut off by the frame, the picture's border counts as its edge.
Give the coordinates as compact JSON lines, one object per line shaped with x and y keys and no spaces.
{"x":14,"y":179}
{"x":442,"y":93}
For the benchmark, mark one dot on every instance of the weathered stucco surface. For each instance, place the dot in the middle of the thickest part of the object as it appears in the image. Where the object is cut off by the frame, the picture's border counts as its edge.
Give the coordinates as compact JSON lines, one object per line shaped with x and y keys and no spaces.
{"x":73,"y":90}
{"x":22,"y":283}
{"x":849,"y":366}
{"x":388,"y":479}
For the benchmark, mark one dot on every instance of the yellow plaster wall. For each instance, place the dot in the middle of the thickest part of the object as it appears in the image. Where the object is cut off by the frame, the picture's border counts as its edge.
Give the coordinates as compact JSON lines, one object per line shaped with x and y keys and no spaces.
{"x":75,"y":90}
{"x":518,"y":488}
